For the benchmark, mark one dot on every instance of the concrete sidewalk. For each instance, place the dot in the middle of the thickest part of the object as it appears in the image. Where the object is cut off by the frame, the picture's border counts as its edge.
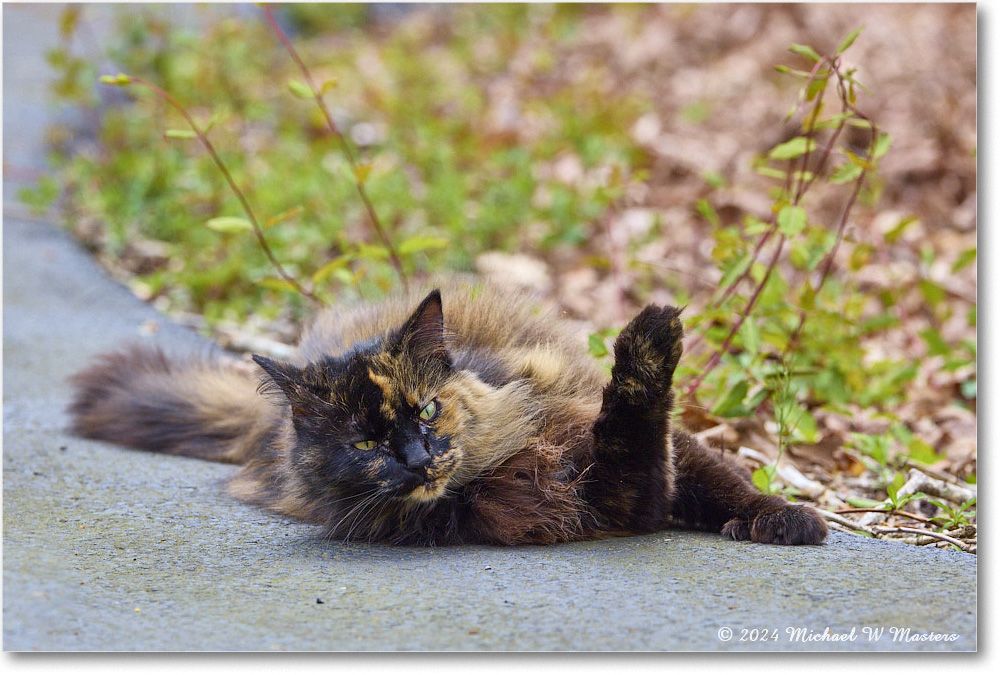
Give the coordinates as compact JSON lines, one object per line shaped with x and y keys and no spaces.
{"x":112,"y":549}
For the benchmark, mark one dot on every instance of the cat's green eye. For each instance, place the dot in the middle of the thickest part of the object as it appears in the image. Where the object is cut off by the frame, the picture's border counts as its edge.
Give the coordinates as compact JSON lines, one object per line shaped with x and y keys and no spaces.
{"x":429,"y":412}
{"x":365,"y":445}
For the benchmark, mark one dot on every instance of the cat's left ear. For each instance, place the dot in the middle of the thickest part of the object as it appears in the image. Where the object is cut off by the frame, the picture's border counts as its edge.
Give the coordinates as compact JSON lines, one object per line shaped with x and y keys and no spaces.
{"x":291,"y":382}
{"x":422,"y":336}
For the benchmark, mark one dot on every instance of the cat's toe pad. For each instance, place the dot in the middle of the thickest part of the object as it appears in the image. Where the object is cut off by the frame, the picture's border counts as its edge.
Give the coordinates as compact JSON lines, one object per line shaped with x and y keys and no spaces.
{"x":789,"y":524}
{"x":649,"y":347}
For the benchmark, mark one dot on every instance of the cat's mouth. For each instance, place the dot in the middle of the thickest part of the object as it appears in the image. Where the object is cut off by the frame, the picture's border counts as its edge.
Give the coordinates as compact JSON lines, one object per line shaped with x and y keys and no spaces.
{"x":436,"y":482}
{"x":429,"y":490}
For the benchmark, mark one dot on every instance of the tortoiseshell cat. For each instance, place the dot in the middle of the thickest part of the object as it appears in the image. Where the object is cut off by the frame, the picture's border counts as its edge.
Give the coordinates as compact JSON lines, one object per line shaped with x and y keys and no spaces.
{"x":482,"y":422}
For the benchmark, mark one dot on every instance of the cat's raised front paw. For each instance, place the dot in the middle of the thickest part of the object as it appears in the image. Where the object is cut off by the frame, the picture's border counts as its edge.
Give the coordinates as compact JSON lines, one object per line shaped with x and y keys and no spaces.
{"x":786,"y":524}
{"x":648,"y":349}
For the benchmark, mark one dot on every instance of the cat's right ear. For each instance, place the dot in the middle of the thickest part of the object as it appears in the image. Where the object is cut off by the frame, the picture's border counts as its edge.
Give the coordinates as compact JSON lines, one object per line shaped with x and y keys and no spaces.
{"x":422,"y":336}
{"x":288,"y":380}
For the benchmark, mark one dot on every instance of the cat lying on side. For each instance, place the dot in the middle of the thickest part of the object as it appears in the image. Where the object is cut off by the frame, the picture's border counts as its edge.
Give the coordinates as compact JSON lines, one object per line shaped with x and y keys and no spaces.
{"x":467,"y":417}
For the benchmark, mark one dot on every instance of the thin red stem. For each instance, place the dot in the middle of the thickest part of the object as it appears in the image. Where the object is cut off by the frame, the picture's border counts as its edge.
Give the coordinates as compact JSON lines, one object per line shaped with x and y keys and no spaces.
{"x":344,"y":145}
{"x":717,"y":356}
{"x":257,"y":229}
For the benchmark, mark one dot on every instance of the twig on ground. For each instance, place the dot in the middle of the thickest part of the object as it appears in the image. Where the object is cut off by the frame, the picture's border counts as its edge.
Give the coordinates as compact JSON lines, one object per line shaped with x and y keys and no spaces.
{"x":933,"y":473}
{"x":918,"y":481}
{"x":840,"y":520}
{"x":893,"y":512}
{"x":924,"y":533}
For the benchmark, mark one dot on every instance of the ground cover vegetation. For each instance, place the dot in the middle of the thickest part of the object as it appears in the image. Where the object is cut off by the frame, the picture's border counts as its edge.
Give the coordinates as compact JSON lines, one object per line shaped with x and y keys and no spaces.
{"x":803,"y":178}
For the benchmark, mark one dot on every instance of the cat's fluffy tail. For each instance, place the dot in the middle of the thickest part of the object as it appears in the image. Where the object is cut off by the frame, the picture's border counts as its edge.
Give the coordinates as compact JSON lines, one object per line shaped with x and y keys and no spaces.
{"x":197,"y":407}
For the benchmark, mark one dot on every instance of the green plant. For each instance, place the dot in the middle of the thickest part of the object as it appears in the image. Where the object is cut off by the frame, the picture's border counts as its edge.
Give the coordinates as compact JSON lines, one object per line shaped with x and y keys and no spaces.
{"x":360,"y":172}
{"x":787,"y":415}
{"x":816,"y":319}
{"x":895,"y":501}
{"x":404,"y":178}
{"x":224,"y":224}
{"x":954,"y":516}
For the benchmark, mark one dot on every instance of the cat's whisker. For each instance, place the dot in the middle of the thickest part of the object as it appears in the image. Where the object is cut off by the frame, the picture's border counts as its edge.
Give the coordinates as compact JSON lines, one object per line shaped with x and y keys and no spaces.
{"x":363,"y":509}
{"x":361,"y":501}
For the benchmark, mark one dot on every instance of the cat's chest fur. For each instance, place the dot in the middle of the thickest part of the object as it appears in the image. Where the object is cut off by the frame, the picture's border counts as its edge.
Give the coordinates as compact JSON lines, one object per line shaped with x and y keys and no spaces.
{"x":512,"y":411}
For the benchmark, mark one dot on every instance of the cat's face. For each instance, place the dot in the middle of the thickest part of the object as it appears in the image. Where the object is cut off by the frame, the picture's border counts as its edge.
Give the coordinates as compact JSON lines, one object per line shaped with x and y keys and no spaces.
{"x":379,"y":421}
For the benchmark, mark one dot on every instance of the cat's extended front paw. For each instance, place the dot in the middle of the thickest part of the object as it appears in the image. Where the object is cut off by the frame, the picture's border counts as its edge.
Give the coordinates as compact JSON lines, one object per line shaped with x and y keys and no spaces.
{"x":787,"y":524}
{"x":647,"y":351}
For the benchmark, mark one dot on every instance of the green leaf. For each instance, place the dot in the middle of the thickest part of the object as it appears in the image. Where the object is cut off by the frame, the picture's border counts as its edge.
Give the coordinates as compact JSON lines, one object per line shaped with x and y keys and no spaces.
{"x":862,"y":503}
{"x":184,"y":134}
{"x":421,"y":242}
{"x":857,"y":160}
{"x":750,"y":336}
{"x":283,"y":216}
{"x":834,"y":121}
{"x":320,"y":275}
{"x":732,"y":400}
{"x":328,"y":85}
{"x":876,"y":323}
{"x":596,"y":345}
{"x":791,"y":220}
{"x":815,"y":87}
{"x":771,"y":172}
{"x":740,"y":266}
{"x":795,"y":420}
{"x":881,"y":145}
{"x":277,"y":284}
{"x":794,"y":148}
{"x":763,"y":478}
{"x":849,"y":40}
{"x":68,"y":21}
{"x":41,"y":197}
{"x":807,"y":297}
{"x":217,"y":116}
{"x":932,"y":292}
{"x":707,"y":212}
{"x":892,"y":489}
{"x":119,"y":80}
{"x":372,"y":251}
{"x":752,"y":226}
{"x":876,"y":447}
{"x":229,"y":224}
{"x":923,"y":452}
{"x":893,"y":235}
{"x":964,"y":259}
{"x":299,"y":89}
{"x":714,"y":179}
{"x":935,"y":343}
{"x":806,"y":51}
{"x":362,"y":171}
{"x":845,"y":173}
{"x":791,"y":71}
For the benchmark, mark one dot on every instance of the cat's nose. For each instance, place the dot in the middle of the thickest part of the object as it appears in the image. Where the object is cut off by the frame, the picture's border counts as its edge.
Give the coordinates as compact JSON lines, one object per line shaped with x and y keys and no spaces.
{"x":418,"y":463}
{"x":415,"y":456}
